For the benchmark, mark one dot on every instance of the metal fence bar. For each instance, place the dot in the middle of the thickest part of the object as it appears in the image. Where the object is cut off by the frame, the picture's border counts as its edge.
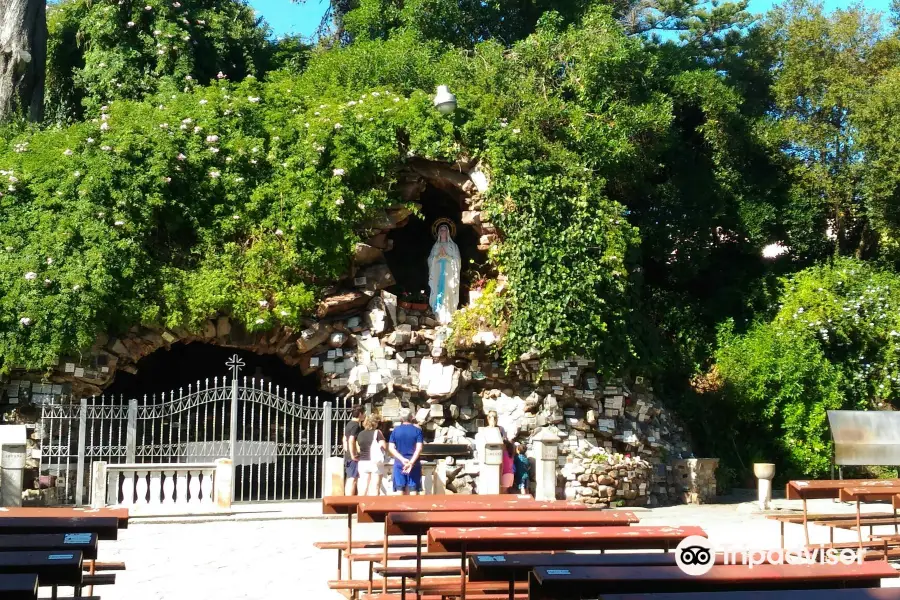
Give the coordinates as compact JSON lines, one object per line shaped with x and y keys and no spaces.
{"x":131,"y":432}
{"x":82,"y":433}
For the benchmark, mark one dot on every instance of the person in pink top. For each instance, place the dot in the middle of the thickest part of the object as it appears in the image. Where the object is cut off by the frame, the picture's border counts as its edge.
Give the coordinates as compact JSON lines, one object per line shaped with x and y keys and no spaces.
{"x":507,"y":467}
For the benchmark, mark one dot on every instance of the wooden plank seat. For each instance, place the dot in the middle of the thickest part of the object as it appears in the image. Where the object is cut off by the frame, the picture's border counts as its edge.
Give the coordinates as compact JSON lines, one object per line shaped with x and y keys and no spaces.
{"x":505,"y":539}
{"x":101,"y":579}
{"x":66,"y":512}
{"x":19,"y":586}
{"x":377,"y":557}
{"x":831,"y":594}
{"x":410,"y":571}
{"x":517,"y":565}
{"x":405,"y":542}
{"x":436,"y":585}
{"x":474,"y":596}
{"x":419,"y":522}
{"x":106,"y":527}
{"x":53,"y":567}
{"x":86,"y":543}
{"x":578,"y":582}
{"x":104,"y":566}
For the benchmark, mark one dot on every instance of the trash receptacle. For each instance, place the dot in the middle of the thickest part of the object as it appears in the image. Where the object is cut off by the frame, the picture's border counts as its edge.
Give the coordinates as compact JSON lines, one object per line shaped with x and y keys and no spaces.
{"x":12,"y":474}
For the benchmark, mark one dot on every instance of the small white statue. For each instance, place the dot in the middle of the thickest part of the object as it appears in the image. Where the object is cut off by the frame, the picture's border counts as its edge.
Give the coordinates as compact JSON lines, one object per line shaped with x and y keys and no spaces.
{"x":444,"y":266}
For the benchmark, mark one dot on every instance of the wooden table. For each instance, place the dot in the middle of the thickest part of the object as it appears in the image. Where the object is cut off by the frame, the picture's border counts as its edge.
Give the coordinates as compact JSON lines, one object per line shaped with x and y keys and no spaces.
{"x":53,"y":568}
{"x":106,"y":528}
{"x":419,"y":523}
{"x":86,"y":543}
{"x":860,"y":494}
{"x":64,"y":512}
{"x":500,"y":539}
{"x":830,"y":594}
{"x":376,"y":509}
{"x":21,"y":586}
{"x":575,"y":582}
{"x":828,"y":488}
{"x":494,"y":567}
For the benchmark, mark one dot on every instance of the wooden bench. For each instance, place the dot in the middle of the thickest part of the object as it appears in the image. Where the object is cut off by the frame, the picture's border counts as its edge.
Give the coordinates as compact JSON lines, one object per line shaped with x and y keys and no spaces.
{"x":817,"y":519}
{"x":805,"y":490}
{"x":511,"y":539}
{"x":376,"y":510}
{"x":831,"y":594}
{"x":577,"y":582}
{"x":59,"y":545}
{"x":86,"y":543}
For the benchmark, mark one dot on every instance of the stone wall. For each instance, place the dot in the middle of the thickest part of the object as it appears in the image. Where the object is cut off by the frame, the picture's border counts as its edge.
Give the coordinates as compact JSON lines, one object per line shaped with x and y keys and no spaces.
{"x":597,"y":477}
{"x":363,"y":342}
{"x":694,"y":479}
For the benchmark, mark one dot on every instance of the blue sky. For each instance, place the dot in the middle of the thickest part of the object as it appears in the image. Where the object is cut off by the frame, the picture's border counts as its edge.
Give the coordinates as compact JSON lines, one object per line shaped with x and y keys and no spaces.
{"x":285,"y":16}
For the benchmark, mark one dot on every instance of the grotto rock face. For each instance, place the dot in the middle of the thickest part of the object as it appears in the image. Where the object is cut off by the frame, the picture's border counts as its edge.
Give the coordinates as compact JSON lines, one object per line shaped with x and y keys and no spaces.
{"x":363,"y":342}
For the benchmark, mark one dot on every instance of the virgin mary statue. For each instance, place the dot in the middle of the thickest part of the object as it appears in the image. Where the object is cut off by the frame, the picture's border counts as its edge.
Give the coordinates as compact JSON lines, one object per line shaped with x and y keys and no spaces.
{"x":443,"y":271}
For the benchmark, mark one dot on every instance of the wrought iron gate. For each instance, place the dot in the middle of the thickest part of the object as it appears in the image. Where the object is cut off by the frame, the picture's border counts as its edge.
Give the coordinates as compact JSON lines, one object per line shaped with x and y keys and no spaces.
{"x":277,"y":441}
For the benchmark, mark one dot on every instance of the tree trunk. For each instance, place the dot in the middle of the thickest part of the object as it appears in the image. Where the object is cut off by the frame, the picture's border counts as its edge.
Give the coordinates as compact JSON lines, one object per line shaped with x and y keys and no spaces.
{"x":23,"y":58}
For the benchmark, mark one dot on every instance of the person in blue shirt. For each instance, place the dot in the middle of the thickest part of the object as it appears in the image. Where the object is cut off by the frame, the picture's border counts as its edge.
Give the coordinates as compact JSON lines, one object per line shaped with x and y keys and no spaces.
{"x":521,"y":466}
{"x":406,"y":446}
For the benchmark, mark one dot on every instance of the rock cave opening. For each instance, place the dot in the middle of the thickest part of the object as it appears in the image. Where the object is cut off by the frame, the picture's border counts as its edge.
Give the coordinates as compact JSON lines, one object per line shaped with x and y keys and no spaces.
{"x":408,"y":258}
{"x":184,"y":364}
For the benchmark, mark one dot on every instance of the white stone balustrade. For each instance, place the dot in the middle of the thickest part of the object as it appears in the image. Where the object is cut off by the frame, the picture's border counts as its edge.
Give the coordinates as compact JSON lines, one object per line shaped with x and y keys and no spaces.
{"x":175,"y":488}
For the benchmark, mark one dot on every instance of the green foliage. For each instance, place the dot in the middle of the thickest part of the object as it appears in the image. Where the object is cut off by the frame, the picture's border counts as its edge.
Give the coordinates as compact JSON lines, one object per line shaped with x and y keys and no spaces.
{"x":826,"y":67}
{"x":104,"y":51}
{"x":833,"y":344}
{"x":487,"y":313}
{"x":239,"y":198}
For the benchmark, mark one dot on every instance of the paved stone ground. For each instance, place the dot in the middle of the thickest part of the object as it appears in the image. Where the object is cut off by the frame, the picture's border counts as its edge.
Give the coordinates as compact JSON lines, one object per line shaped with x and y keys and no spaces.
{"x":274,"y":559}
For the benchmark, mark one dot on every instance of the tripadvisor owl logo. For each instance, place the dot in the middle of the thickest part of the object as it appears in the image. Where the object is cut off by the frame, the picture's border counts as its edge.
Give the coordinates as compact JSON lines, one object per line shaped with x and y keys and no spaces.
{"x":696,"y":555}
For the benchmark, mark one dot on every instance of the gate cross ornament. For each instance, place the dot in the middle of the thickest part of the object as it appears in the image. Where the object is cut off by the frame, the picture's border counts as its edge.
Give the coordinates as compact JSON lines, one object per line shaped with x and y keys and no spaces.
{"x":235,"y":363}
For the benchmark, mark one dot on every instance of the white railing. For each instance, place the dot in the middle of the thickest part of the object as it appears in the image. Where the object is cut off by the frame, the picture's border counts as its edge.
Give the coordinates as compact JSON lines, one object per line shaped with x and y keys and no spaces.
{"x":174,"y":487}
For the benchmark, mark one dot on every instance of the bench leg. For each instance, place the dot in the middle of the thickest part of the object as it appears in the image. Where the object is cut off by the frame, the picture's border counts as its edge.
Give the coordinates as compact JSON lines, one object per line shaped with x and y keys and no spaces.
{"x":858,"y":524}
{"x":782,"y":535}
{"x":91,"y":572}
{"x":384,"y":558}
{"x":340,"y":560}
{"x":512,"y":588}
{"x":462,"y":572}
{"x":371,"y":575}
{"x":349,"y":544}
{"x":418,"y":566}
{"x":805,"y":522}
{"x":403,"y":587}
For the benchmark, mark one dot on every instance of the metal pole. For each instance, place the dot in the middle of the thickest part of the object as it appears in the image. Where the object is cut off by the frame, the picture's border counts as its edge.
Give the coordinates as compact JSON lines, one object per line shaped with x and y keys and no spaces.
{"x":232,"y":450}
{"x":326,"y":446}
{"x":131,"y":432}
{"x":82,"y":433}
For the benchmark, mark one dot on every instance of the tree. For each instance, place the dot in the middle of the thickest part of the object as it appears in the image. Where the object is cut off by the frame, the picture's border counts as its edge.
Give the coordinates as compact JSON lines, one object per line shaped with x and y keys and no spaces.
{"x":101,"y":52}
{"x":23,"y":55}
{"x":826,"y":65}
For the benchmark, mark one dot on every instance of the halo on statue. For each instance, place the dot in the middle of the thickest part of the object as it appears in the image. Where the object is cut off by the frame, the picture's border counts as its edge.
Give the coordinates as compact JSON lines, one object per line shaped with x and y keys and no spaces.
{"x":443,"y":221}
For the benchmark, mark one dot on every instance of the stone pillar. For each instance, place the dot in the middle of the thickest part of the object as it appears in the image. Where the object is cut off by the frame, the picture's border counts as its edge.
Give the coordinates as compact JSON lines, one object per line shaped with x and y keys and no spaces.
{"x":764,"y":472}
{"x":545,"y":455}
{"x":428,"y":477}
{"x":491,"y":460}
{"x":98,"y":484}
{"x":440,"y":478}
{"x":333,"y":484}
{"x":13,"y":441}
{"x":224,"y":487}
{"x":695,"y":479}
